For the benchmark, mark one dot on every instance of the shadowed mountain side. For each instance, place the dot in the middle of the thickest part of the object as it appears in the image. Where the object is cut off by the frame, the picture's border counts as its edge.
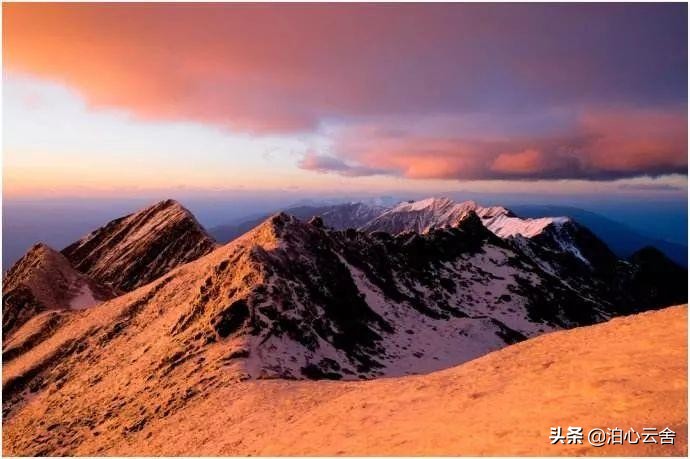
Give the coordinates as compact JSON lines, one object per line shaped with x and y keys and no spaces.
{"x":621,"y":239}
{"x":132,"y":251}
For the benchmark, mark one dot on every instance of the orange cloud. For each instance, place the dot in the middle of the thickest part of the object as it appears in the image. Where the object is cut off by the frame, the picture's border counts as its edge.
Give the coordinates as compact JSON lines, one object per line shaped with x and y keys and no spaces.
{"x":267,"y":67}
{"x":527,"y":161}
{"x":640,"y":140}
{"x":601,"y":145}
{"x":300,"y":67}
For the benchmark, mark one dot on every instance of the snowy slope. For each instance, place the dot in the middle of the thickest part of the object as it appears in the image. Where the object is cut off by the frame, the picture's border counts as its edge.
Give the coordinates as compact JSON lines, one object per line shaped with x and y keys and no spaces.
{"x":421,"y":216}
{"x":292,"y":300}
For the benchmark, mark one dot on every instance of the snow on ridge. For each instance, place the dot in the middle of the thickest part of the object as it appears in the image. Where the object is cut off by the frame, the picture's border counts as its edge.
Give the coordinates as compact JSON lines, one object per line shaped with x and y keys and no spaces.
{"x":505,"y":226}
{"x":437,"y":212}
{"x":422,"y":204}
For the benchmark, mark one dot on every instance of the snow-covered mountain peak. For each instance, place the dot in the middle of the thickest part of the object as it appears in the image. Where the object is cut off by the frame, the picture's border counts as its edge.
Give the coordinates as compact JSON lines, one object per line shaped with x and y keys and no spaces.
{"x":294,"y":299}
{"x":423,"y":204}
{"x":505,"y":224}
{"x":438,"y":212}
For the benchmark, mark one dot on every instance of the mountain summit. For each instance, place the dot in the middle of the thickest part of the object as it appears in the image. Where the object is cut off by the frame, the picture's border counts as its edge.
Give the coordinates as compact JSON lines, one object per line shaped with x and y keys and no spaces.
{"x":42,"y":280}
{"x":134,"y":250}
{"x":421,"y":216}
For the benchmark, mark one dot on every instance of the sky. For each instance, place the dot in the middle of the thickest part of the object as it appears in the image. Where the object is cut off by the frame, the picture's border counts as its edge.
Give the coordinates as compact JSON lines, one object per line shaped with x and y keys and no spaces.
{"x":123,"y":99}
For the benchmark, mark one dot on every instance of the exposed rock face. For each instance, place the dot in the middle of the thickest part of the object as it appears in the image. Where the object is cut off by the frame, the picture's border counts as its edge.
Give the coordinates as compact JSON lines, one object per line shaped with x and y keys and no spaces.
{"x":298,"y":300}
{"x":43,"y":280}
{"x":134,"y":250}
{"x":562,"y":248}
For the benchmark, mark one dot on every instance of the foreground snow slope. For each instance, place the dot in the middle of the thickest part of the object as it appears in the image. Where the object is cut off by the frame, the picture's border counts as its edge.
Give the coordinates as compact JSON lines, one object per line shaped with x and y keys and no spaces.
{"x":629,"y":372}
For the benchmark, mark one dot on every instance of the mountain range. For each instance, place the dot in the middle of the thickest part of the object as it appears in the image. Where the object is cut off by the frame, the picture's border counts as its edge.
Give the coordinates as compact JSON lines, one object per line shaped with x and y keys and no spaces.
{"x":621,"y":239}
{"x":172,"y":316}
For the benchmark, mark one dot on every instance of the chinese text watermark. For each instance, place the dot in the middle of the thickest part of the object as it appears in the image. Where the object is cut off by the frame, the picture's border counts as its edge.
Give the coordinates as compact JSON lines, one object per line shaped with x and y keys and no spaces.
{"x":599,"y":437}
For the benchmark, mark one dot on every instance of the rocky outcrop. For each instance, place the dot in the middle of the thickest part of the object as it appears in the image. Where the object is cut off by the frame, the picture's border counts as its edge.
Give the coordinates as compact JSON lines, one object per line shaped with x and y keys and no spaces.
{"x":42,"y":280}
{"x":134,"y":250}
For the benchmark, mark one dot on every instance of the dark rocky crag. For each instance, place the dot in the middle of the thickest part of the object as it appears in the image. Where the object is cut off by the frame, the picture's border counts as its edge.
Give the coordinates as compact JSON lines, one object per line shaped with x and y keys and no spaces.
{"x":126,"y":253}
{"x":133,"y":250}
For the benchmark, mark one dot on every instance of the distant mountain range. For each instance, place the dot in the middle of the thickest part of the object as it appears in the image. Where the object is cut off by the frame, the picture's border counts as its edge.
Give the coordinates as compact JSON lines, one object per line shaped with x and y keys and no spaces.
{"x":621,"y":239}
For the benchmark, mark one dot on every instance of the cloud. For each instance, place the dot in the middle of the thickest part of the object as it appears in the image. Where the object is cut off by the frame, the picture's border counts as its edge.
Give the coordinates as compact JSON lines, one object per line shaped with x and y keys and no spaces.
{"x":448,"y":91}
{"x":598,"y":145}
{"x":650,"y":187}
{"x":529,"y":161}
{"x":289,"y":68}
{"x":326,"y":164}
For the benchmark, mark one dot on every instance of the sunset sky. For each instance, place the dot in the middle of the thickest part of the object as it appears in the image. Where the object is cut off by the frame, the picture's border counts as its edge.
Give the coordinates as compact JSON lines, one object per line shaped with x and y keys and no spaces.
{"x":108,"y":99}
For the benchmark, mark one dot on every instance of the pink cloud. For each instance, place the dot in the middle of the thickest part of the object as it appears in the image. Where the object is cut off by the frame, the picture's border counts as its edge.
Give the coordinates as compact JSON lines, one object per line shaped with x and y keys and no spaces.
{"x":299,"y":67}
{"x":266,"y":67}
{"x":604,"y":144}
{"x":529,"y":161}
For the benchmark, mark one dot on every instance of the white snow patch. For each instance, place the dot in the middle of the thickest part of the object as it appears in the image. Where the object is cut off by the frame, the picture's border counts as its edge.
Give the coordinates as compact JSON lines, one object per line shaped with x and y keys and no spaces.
{"x":421,"y":216}
{"x":83,"y":299}
{"x":505,"y":226}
